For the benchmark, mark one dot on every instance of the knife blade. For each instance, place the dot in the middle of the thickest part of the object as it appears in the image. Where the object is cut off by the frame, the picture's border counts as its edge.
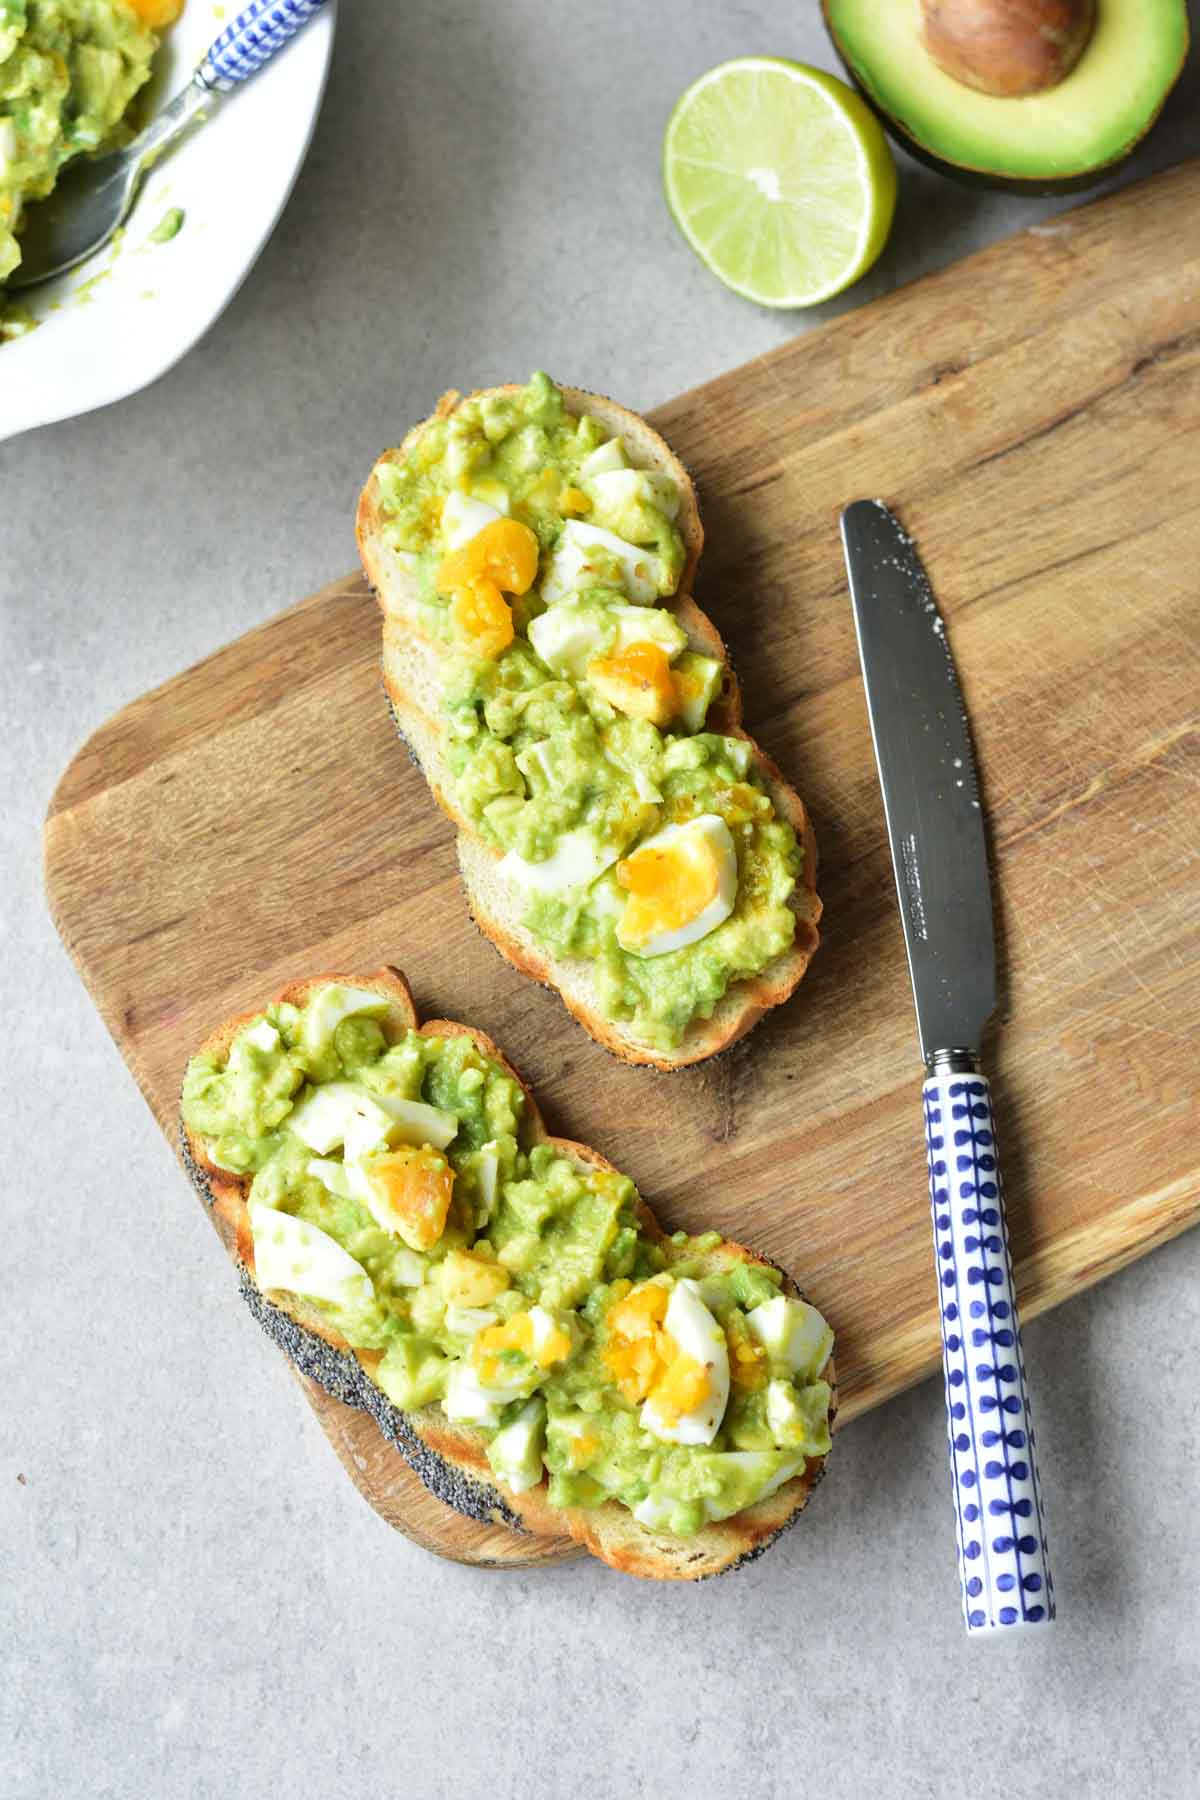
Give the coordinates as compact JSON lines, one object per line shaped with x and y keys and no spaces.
{"x":935,"y":827}
{"x":930,"y":788}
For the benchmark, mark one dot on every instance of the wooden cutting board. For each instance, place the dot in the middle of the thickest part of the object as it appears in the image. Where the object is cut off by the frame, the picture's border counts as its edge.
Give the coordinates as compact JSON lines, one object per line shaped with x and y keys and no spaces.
{"x":1034,"y":416}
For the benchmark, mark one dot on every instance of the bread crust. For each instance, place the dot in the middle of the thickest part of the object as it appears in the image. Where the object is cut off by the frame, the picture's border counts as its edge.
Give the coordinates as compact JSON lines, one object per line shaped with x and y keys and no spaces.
{"x":451,"y":1459}
{"x":410,"y":680}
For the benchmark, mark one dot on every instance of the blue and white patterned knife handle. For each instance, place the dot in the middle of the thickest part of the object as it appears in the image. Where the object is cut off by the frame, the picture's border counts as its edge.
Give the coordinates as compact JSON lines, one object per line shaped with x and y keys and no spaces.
{"x":255,"y":35}
{"x":1001,"y":1530}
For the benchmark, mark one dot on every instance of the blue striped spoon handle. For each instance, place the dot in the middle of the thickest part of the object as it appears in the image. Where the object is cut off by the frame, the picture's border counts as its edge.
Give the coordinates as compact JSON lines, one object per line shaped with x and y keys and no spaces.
{"x":1001,"y":1531}
{"x":259,"y":30}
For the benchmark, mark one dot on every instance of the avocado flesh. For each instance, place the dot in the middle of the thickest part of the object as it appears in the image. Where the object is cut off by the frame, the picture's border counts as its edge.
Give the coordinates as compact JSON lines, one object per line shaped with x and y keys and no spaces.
{"x":1093,"y":118}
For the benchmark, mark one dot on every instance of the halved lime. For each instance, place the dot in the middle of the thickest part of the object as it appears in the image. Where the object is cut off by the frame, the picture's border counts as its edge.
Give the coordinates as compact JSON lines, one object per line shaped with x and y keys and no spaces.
{"x":780,"y":179}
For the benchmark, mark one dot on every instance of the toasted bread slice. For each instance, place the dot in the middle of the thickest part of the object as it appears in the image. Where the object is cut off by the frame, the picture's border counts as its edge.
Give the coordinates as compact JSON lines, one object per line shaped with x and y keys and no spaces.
{"x":410,"y":671}
{"x":451,"y":1459}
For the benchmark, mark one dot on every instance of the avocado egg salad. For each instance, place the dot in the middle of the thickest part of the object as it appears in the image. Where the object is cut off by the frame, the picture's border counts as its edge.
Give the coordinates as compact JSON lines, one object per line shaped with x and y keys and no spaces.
{"x":398,"y":1183}
{"x":68,"y":72}
{"x":634,"y":833}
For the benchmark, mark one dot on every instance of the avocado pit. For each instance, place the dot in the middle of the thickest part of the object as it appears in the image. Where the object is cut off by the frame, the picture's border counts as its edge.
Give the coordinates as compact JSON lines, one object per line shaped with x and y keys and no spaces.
{"x":1008,"y":48}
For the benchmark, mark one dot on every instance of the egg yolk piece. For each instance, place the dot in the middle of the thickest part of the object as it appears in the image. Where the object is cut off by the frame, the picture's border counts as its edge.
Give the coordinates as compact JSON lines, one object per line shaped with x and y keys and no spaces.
{"x":482,"y":619}
{"x":680,"y":1389}
{"x":634,"y":1354}
{"x":504,"y":553}
{"x":637,"y":681}
{"x":748,"y":1369}
{"x":682,"y":883}
{"x":501,"y":559}
{"x":583,"y":1450}
{"x":646,"y":1362}
{"x":157,"y":14}
{"x":469,"y":1280}
{"x":410,"y":1192}
{"x":687,"y":1402}
{"x":534,"y":1334}
{"x":667,"y":888}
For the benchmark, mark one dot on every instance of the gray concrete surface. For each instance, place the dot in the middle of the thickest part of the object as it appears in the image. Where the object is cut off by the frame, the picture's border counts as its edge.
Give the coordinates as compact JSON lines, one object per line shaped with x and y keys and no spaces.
{"x":195,"y":1603}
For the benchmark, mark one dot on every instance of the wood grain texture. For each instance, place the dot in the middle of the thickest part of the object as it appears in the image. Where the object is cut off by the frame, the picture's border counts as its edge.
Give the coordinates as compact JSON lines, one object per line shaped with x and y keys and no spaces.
{"x":1033,"y":414}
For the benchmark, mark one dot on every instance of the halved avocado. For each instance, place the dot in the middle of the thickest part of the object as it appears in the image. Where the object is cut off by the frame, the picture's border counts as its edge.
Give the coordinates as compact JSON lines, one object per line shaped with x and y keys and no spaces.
{"x":1048,"y":142}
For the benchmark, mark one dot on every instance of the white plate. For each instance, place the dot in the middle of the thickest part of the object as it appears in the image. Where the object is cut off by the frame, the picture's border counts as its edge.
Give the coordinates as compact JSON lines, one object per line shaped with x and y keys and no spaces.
{"x":122,"y":319}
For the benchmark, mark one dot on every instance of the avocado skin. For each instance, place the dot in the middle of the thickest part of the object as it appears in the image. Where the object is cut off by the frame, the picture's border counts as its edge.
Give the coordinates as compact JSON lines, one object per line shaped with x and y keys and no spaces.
{"x":1033,"y":187}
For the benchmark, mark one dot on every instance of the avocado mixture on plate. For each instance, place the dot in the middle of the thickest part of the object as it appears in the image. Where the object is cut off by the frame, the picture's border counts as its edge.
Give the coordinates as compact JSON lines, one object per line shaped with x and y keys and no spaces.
{"x":68,"y":71}
{"x":395,"y":1189}
{"x":575,"y":713}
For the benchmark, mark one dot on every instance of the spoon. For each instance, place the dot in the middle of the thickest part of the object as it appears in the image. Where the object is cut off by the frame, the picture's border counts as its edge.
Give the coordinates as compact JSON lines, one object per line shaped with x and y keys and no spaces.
{"x":95,"y":194}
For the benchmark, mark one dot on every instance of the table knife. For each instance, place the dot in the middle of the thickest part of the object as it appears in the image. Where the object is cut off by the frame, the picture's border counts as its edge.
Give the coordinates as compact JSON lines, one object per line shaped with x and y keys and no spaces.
{"x":939,"y":854}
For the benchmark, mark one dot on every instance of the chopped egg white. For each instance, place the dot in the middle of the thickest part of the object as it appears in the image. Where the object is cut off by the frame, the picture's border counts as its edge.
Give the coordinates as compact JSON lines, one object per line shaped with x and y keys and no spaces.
{"x":615,"y":489}
{"x":339,"y":1112}
{"x":464,"y":517}
{"x":468,"y":1396}
{"x":646,"y":625}
{"x":576,"y":553}
{"x":575,"y":861}
{"x":342,"y":1112}
{"x":493,"y":493}
{"x":751,"y":1463}
{"x":791,"y":1424}
{"x":326,"y":1010}
{"x":605,"y":900}
{"x":516,"y":1451}
{"x":792,"y":1332}
{"x":332,"y":1175}
{"x":698,"y":856}
{"x":696,"y":1334}
{"x":407,"y":1268}
{"x":568,"y":637}
{"x":655,"y":1510}
{"x":783,"y":1411}
{"x":603,"y":458}
{"x":345,"y":1179}
{"x":413,"y":1122}
{"x":468,"y":1402}
{"x":536,"y":763}
{"x":545,"y":1327}
{"x":697,"y":686}
{"x":291,"y":1254}
{"x":487,"y":1168}
{"x":263,"y":1036}
{"x":469,"y":1321}
{"x":643,"y":787}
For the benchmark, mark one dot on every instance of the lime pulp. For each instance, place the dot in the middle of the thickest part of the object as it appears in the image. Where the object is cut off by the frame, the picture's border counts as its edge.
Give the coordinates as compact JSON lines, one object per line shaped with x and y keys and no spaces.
{"x":780,"y":178}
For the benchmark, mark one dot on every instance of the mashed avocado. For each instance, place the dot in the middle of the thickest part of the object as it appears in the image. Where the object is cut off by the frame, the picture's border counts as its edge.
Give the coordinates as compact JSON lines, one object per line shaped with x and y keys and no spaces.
{"x":395,"y":1187}
{"x":575,"y":712}
{"x":68,"y":71}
